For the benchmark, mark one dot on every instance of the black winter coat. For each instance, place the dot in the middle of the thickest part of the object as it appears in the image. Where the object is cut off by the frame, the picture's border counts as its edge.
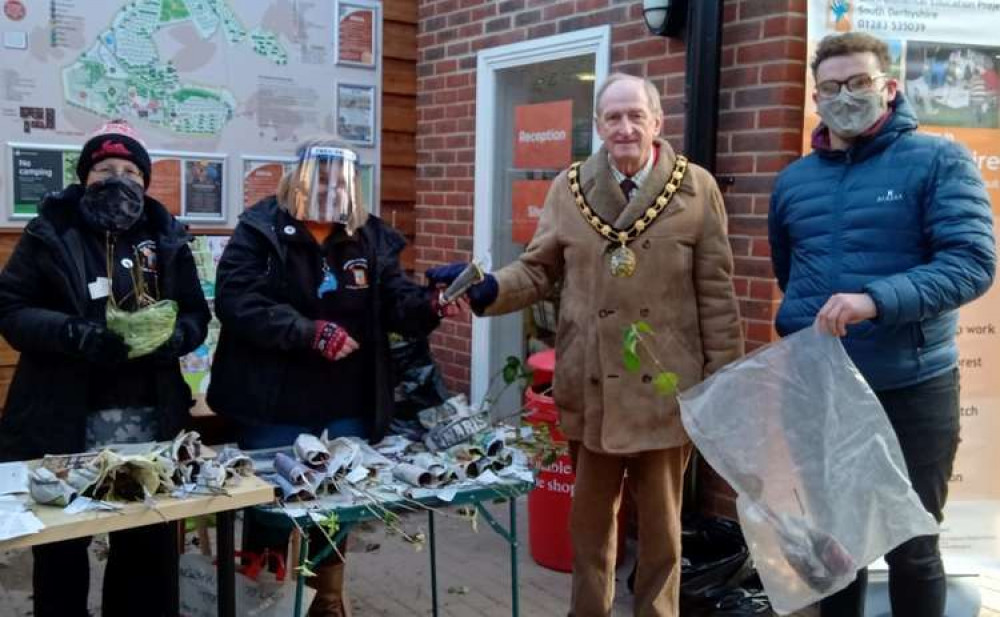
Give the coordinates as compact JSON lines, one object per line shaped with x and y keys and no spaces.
{"x":43,"y":285}
{"x":263,"y":326}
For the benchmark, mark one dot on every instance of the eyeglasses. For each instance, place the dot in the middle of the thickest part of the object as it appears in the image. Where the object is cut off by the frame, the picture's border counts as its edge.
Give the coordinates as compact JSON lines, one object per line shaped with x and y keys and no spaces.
{"x":862,"y":82}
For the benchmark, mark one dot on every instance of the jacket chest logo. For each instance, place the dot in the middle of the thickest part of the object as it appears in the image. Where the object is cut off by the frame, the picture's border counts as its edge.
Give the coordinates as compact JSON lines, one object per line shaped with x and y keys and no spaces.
{"x":889,"y":195}
{"x":357,"y":273}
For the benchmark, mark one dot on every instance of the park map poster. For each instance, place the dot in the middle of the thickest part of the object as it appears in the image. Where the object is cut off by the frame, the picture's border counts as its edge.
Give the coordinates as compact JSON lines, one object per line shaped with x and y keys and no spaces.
{"x":204,"y":84}
{"x":945,"y":54}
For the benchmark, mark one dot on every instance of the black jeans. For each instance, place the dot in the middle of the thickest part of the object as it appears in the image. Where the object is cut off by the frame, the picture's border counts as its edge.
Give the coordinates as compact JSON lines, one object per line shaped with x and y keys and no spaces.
{"x":135,"y":581}
{"x":925,"y":417}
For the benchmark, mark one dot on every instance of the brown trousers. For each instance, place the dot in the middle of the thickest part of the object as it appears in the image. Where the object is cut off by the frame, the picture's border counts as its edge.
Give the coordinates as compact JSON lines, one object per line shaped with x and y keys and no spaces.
{"x":656,"y":480}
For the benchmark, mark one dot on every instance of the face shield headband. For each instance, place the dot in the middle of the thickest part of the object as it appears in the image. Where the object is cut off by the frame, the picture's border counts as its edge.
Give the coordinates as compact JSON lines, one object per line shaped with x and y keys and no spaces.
{"x":327,"y":185}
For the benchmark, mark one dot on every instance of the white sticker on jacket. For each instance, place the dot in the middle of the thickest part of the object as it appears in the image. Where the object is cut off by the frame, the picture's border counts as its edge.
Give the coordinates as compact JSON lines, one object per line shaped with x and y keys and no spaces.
{"x":99,"y":288}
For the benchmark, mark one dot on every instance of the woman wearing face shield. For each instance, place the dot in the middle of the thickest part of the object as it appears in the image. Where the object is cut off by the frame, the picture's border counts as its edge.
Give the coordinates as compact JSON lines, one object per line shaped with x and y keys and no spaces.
{"x":102,"y":241}
{"x":308,"y":290}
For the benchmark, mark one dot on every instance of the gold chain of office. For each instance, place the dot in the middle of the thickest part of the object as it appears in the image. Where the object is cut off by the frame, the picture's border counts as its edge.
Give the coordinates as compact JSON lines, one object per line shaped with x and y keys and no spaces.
{"x":623,"y":259}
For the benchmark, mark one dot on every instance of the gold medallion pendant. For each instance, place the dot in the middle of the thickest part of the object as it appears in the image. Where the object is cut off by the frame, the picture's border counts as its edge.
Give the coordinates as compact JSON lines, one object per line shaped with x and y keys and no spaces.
{"x":623,"y":261}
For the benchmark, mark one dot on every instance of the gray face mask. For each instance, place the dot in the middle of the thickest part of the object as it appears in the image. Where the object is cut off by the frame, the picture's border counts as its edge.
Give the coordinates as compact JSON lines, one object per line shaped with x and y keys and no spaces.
{"x":850,"y":114}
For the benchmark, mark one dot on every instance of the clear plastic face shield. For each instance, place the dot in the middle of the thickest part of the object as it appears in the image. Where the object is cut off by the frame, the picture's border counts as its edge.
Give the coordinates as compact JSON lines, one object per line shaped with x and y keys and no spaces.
{"x":327,"y":185}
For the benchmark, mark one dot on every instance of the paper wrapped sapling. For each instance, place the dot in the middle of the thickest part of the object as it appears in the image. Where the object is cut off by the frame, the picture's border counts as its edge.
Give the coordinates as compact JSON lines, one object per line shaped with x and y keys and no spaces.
{"x":818,"y":558}
{"x":345,"y":455}
{"x":456,"y":406}
{"x":412,"y":475}
{"x":236,"y":463}
{"x":473,"y":274}
{"x":48,"y":489}
{"x":312,"y":450}
{"x":295,"y":472}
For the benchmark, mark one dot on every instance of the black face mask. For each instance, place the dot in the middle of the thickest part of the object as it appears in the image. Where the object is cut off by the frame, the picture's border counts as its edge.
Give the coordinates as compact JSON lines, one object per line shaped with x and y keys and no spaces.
{"x":114,"y":204}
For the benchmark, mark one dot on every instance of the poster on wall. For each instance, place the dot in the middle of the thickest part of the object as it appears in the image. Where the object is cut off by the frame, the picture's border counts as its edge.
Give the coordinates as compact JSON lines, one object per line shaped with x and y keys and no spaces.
{"x":356,"y":35}
{"x":946,"y":59}
{"x":37,"y":170}
{"x":528,"y":199}
{"x":261,"y":178}
{"x":356,"y":113}
{"x":203,"y":183}
{"x":70,"y":66}
{"x":197,"y":365}
{"x":543,"y":135}
{"x":165,"y":183}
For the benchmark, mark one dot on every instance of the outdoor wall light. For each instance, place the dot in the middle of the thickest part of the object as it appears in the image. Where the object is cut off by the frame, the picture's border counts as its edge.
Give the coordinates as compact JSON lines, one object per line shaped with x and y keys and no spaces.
{"x":664,"y":17}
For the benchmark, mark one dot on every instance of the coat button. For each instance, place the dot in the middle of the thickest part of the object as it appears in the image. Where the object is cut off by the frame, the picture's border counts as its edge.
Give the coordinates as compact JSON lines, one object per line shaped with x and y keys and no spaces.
{"x":602,"y":313}
{"x":647,"y":244}
{"x":594,"y":381}
{"x":647,"y":379}
{"x":644,"y":312}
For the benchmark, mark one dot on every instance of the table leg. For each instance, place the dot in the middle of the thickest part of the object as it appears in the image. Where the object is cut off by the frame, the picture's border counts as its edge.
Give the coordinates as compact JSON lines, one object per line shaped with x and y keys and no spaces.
{"x":515,"y":584}
{"x":300,"y":580}
{"x":510,"y":535}
{"x":176,"y":539}
{"x":434,"y":582}
{"x":226,"y":549}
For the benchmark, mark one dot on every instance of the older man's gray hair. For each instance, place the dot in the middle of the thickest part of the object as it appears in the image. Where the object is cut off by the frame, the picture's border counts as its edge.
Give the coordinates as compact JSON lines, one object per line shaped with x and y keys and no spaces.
{"x":652,"y":94}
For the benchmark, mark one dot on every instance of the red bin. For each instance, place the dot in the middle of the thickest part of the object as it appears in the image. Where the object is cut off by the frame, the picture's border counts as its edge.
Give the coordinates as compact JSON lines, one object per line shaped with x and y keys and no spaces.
{"x":549,"y":504}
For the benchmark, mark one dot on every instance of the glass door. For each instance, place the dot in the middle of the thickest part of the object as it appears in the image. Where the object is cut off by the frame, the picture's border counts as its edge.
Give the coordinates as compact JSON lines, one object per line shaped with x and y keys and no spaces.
{"x":540,"y":120}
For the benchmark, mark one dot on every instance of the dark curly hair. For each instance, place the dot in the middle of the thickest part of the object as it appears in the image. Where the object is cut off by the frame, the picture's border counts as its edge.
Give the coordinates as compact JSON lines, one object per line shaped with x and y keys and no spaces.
{"x":851,"y":43}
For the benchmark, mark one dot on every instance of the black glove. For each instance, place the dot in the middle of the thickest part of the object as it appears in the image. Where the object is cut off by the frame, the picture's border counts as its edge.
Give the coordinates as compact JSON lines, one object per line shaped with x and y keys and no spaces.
{"x":444,"y":275}
{"x":93,"y":341}
{"x":170,"y":351}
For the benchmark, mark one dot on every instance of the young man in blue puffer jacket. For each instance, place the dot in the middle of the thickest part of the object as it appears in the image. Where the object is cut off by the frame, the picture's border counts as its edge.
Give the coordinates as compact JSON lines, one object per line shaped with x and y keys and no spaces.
{"x":878,"y":237}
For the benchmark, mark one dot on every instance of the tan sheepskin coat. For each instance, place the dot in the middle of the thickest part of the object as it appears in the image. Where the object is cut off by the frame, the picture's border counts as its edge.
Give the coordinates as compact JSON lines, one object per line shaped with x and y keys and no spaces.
{"x":682,"y":287}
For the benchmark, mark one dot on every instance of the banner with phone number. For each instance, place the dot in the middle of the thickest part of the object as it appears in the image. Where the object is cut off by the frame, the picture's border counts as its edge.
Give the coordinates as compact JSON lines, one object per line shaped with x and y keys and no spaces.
{"x":945,"y":55}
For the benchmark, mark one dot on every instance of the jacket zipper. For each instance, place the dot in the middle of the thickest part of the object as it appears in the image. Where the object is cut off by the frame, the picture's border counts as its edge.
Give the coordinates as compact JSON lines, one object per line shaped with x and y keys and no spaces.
{"x":839,"y":205}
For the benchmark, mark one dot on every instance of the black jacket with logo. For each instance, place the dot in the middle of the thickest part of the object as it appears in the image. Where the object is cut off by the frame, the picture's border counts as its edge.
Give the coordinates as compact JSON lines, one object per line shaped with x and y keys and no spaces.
{"x":266,"y":307}
{"x":45,"y":283}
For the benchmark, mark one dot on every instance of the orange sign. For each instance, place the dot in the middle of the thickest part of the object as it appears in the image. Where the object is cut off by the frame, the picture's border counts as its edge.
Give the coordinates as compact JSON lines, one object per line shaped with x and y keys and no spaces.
{"x":984,"y":144}
{"x":529,"y":199}
{"x":543,"y":135}
{"x":260,"y":180}
{"x":165,"y":184}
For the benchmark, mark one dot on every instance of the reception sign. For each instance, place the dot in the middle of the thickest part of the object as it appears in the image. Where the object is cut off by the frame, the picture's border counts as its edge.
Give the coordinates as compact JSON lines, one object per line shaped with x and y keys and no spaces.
{"x":543,"y":135}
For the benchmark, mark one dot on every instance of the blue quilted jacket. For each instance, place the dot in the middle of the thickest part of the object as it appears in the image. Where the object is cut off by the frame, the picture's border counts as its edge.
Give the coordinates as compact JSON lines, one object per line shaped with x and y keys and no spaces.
{"x":901,"y":216}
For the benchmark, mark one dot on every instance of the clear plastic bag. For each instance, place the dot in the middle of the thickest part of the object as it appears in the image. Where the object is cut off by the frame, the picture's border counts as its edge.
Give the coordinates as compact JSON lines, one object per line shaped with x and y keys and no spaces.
{"x":823,"y":489}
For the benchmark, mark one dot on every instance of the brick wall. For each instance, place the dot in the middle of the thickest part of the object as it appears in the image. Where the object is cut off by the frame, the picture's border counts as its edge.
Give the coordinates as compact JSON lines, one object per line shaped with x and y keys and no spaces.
{"x":760,"y":128}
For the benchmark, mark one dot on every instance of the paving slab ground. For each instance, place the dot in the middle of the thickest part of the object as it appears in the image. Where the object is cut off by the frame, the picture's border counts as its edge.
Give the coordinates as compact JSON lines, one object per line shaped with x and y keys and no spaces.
{"x":394,"y":580}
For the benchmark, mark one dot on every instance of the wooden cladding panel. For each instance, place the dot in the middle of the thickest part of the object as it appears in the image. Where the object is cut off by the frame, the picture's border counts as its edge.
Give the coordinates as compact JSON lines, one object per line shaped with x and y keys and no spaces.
{"x":6,"y":375}
{"x":399,"y":184}
{"x":8,"y":239}
{"x":399,"y":121}
{"x":399,"y":149}
{"x":400,"y":10}
{"x":8,"y":357}
{"x":399,"y":113}
{"x":399,"y":40}
{"x":401,"y":216}
{"x":399,"y":77}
